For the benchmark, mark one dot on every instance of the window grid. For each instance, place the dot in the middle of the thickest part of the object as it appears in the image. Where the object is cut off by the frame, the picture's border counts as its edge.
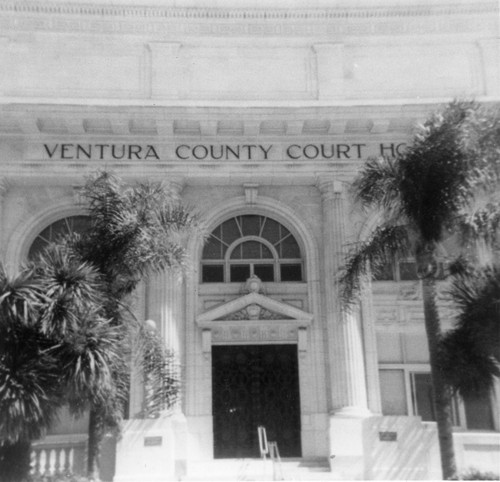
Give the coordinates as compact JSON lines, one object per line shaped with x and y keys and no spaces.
{"x":57,"y":229}
{"x":405,"y":269}
{"x":226,"y":248}
{"x":409,"y":371}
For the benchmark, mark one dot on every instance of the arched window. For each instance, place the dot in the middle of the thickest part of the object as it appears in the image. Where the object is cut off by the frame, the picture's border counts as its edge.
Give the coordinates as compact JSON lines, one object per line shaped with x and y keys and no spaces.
{"x":62,"y":227}
{"x":251,"y":245}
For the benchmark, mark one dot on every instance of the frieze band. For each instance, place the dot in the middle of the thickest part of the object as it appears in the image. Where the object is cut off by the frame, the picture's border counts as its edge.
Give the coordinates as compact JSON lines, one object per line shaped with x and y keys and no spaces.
{"x":217,"y":152}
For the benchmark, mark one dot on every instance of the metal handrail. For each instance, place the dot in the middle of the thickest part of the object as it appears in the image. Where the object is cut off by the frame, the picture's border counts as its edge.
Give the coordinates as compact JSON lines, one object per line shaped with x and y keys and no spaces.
{"x":271,"y":449}
{"x":263,"y":446}
{"x":274,"y":453}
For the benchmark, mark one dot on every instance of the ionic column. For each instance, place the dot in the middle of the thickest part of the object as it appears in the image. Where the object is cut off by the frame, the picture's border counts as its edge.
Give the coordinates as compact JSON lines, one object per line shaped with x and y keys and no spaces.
{"x":165,"y":302}
{"x":345,"y":336}
{"x":165,"y":295}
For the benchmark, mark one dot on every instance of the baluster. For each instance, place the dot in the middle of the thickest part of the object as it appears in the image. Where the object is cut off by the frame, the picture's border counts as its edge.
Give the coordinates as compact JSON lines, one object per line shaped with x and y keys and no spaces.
{"x":33,"y":462}
{"x":42,"y":462}
{"x":57,"y":460}
{"x":66,"y":467}
{"x":71,"y":460}
{"x":62,"y":460}
{"x":52,"y":461}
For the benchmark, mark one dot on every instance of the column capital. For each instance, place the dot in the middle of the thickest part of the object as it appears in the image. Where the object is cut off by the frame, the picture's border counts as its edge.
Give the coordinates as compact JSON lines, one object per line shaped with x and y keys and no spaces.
{"x":251,"y":192}
{"x":329,"y":187}
{"x":78,"y":197}
{"x":175,"y":186}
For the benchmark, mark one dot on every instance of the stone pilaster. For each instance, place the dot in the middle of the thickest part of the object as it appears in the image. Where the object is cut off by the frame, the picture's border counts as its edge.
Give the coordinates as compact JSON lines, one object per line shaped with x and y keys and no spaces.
{"x":345,"y":336}
{"x":370,"y":347}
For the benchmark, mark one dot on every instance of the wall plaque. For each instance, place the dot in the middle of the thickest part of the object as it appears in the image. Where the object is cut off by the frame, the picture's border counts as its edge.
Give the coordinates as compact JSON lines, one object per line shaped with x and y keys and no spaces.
{"x":388,"y":436}
{"x":153,"y":441}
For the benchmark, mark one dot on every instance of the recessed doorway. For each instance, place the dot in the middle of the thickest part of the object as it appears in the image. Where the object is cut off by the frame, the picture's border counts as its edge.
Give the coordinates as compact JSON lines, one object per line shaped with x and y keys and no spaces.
{"x":255,"y":385}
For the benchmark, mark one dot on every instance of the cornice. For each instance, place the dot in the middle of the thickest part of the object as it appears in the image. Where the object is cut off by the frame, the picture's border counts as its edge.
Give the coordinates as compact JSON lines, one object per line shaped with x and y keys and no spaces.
{"x":57,"y":8}
{"x":169,"y":22}
{"x":79,"y":121}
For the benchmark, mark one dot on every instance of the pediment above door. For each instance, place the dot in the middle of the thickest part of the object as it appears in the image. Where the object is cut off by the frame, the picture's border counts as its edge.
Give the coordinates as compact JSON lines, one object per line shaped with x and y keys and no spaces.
{"x":255,"y":308}
{"x":254,"y":318}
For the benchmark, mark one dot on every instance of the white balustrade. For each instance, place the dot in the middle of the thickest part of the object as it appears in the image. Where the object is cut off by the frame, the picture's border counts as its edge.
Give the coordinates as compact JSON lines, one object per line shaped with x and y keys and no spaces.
{"x":59,"y":454}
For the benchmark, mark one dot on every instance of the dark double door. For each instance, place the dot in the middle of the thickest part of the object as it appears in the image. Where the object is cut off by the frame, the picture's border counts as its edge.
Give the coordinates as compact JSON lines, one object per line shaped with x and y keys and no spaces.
{"x":255,"y":385}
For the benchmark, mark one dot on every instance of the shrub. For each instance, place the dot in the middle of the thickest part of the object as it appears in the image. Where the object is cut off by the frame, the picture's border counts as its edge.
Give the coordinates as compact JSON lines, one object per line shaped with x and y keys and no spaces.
{"x":475,"y":474}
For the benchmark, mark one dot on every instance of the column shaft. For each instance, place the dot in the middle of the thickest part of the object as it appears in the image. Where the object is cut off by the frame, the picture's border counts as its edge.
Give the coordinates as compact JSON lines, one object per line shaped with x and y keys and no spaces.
{"x":345,"y":337}
{"x":165,"y":295}
{"x":370,"y":345}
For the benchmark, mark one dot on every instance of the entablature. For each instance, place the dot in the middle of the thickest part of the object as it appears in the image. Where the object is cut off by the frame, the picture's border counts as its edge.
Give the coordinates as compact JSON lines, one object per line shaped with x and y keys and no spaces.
{"x":179,"y":122}
{"x":254,"y":317}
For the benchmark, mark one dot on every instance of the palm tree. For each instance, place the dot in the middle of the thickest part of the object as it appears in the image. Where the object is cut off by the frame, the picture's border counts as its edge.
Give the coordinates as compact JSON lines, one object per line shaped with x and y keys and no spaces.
{"x":66,"y":332}
{"x":29,"y":381}
{"x":470,"y":352}
{"x":135,"y":230}
{"x":423,"y":197}
{"x":55,"y":349}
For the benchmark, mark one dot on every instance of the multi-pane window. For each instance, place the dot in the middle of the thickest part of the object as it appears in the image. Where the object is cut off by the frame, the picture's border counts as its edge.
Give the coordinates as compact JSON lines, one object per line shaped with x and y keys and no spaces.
{"x":57,"y":230}
{"x":404,"y":270}
{"x":249,"y":245}
{"x":407,"y":390}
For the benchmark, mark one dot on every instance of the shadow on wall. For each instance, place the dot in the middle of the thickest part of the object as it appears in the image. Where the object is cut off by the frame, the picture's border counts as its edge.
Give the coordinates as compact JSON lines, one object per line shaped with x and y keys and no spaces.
{"x":401,"y":448}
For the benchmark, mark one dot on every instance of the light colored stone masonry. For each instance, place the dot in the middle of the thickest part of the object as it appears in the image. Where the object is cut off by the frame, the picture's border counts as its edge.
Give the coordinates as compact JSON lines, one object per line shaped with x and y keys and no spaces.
{"x":110,"y":54}
{"x":147,"y":90}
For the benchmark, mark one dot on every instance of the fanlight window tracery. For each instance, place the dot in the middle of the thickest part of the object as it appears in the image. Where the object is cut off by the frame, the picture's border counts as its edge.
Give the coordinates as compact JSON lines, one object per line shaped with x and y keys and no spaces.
{"x":57,"y":230}
{"x":249,"y":245}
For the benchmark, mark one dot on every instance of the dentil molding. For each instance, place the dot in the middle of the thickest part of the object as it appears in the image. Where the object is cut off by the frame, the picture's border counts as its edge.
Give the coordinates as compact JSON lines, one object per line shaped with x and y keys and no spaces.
{"x":120,"y":19}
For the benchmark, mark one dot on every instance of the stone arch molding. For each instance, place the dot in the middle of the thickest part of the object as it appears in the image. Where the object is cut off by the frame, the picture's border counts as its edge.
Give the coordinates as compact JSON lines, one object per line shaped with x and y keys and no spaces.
{"x":294,"y":320}
{"x":25,"y":233}
{"x":264,"y":206}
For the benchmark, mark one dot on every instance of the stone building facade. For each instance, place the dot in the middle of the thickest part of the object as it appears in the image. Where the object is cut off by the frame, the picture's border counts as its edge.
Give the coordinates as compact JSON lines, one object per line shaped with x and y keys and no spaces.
{"x":259,"y":116}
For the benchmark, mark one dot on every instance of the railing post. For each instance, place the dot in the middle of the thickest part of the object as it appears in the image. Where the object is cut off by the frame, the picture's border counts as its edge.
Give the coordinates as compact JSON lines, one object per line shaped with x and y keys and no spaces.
{"x":263,"y":446}
{"x":275,"y":457}
{"x":67,"y":453}
{"x":35,"y":461}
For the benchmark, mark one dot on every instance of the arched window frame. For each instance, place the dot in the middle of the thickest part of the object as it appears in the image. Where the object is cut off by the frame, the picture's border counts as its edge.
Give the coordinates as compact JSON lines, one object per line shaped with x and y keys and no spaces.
{"x":229,"y":261}
{"x":69,"y":225}
{"x":276,"y":261}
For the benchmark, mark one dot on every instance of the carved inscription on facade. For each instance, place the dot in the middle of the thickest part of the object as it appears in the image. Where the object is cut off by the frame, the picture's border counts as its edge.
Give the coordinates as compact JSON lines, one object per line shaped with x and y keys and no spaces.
{"x":220,"y":152}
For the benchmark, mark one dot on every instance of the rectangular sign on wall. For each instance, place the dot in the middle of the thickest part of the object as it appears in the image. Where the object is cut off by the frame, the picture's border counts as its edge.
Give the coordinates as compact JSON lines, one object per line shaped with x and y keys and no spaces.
{"x":153,"y":441}
{"x":388,"y":436}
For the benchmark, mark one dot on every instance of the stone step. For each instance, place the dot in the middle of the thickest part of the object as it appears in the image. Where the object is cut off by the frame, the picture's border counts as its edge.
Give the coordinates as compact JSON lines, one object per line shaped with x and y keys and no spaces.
{"x":258,"y":469}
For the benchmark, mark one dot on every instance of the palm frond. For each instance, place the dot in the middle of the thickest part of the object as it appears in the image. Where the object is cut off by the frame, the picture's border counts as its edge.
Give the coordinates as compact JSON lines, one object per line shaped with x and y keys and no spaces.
{"x":440,"y":170}
{"x":371,"y":255}
{"x":147,"y":233}
{"x":70,"y":285}
{"x":377,"y":185}
{"x":20,"y":298}
{"x":160,"y":370}
{"x":477,"y":297}
{"x":30,"y":388}
{"x":470,"y":352}
{"x":483,"y":224}
{"x":467,"y":368}
{"x":88,"y":358}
